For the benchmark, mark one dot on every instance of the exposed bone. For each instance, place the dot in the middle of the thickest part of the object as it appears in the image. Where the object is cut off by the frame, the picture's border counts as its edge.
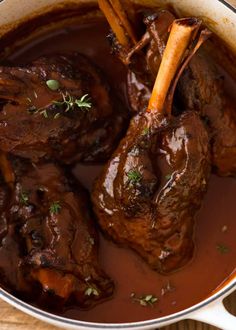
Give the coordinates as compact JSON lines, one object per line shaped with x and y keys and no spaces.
{"x":115,"y":22}
{"x":120,"y":12}
{"x":179,"y":39}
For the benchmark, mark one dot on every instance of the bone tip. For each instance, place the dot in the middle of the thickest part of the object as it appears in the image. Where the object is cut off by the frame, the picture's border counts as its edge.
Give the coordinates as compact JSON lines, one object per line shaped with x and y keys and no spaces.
{"x":189,"y":21}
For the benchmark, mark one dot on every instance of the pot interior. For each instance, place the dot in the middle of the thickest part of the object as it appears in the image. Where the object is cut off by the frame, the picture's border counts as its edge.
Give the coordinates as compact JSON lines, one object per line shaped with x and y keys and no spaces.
{"x":53,"y":35}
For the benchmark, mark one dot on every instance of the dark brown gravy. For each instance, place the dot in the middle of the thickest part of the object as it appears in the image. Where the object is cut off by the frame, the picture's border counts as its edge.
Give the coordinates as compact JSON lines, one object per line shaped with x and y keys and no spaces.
{"x":215,"y":227}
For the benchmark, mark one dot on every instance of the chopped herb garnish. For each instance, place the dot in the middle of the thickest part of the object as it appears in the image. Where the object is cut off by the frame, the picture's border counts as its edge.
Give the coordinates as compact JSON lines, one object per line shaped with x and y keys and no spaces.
{"x":71,"y":102}
{"x":55,"y":208}
{"x":168,"y":176}
{"x":144,"y":300}
{"x":54,"y":85}
{"x":145,"y":131}
{"x":91,"y":291}
{"x":134,"y":176}
{"x":24,"y":198}
{"x":29,"y":100}
{"x":222,"y":248}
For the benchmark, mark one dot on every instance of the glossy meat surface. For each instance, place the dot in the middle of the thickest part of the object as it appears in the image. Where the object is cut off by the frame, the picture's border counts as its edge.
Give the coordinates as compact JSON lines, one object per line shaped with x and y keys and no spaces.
{"x":48,"y":242}
{"x":150,"y":207}
{"x":201,"y":88}
{"x":34,"y":125}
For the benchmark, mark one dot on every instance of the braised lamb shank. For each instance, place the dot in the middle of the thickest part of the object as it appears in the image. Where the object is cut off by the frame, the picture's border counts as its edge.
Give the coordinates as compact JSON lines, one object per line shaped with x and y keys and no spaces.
{"x":142,"y":203}
{"x":75,"y":120}
{"x":48,"y":244}
{"x":200,"y":87}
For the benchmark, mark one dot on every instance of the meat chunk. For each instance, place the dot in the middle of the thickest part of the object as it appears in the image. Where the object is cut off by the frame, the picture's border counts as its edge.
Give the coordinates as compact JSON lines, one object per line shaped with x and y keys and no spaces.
{"x":78,"y":120}
{"x":148,"y":207}
{"x":200,"y":88}
{"x":48,"y":238}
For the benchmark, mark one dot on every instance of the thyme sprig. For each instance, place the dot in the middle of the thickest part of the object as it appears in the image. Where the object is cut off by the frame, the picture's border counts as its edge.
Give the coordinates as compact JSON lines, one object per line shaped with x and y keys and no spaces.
{"x":70,"y":102}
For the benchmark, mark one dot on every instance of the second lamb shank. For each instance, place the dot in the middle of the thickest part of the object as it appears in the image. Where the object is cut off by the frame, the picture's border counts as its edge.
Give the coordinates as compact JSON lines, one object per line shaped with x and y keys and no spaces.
{"x":59,"y":107}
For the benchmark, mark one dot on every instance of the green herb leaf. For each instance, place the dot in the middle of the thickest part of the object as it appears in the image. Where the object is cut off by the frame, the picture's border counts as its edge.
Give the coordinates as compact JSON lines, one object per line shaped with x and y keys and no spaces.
{"x":54,"y":85}
{"x":55,"y":207}
{"x":24,"y":198}
{"x":223,"y":249}
{"x":145,"y":131}
{"x":144,"y":300}
{"x":134,"y":176}
{"x":91,"y":291}
{"x":83,"y":102}
{"x":70,"y":102}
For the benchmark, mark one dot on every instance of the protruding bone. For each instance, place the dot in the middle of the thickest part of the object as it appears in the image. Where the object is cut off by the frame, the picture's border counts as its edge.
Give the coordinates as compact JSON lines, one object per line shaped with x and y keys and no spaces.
{"x":121,"y":13}
{"x":118,"y":22}
{"x":181,"y":34}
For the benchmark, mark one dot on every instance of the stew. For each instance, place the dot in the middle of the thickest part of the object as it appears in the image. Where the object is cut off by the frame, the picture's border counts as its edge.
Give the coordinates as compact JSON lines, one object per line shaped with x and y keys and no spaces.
{"x":128,"y":288}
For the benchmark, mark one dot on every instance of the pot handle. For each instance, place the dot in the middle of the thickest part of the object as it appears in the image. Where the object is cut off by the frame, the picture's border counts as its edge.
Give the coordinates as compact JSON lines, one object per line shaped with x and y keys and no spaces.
{"x":216,"y":314}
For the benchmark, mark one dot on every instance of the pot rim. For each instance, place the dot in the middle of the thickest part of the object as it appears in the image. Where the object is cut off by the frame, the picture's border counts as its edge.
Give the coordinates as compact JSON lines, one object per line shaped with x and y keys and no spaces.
{"x":228,"y":4}
{"x":63,"y":321}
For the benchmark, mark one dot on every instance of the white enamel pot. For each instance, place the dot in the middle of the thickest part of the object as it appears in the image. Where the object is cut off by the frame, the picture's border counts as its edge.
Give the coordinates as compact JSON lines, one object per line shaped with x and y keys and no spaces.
{"x":220,"y":16}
